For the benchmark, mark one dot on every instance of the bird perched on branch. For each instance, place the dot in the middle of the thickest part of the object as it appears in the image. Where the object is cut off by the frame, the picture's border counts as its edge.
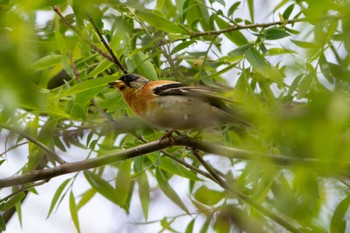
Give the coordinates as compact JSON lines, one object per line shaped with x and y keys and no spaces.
{"x":173,"y":105}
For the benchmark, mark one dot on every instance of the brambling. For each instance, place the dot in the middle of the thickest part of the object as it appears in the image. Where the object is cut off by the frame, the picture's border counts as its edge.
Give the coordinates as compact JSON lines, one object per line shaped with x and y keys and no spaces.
{"x":173,"y":105}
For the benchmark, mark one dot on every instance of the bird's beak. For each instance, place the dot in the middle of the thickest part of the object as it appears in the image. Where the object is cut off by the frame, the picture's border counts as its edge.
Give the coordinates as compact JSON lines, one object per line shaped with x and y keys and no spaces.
{"x":116,"y":84}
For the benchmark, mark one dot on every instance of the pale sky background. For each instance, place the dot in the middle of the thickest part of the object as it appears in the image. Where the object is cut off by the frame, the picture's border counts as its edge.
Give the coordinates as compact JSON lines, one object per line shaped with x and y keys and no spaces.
{"x":100,"y":215}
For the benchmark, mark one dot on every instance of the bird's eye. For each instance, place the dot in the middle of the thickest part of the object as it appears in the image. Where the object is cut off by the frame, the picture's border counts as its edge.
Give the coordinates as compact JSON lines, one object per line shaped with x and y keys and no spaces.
{"x":122,"y":87}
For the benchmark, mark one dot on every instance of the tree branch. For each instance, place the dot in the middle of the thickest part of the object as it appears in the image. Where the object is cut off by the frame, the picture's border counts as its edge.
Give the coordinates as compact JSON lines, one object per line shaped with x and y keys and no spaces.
{"x":52,"y":154}
{"x":259,"y":25}
{"x":156,"y":146}
{"x":115,"y":59}
{"x":92,"y":46}
{"x":248,"y":26}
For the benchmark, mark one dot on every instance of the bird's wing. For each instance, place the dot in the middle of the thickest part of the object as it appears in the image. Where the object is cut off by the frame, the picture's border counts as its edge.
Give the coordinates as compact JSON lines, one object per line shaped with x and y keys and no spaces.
{"x":180,"y":89}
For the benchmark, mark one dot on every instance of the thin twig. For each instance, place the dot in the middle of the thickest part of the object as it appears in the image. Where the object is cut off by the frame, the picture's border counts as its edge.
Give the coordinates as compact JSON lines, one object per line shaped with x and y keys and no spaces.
{"x":52,"y":154}
{"x":92,"y":46}
{"x":260,"y":25}
{"x":159,"y":45}
{"x":180,"y":161}
{"x":248,"y":26}
{"x":23,"y":189}
{"x":282,"y":221}
{"x":115,"y":59}
{"x":93,"y":102}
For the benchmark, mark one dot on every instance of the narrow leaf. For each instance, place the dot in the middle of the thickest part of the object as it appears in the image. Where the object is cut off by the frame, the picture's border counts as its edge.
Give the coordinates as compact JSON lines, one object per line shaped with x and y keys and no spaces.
{"x":169,"y":191}
{"x":233,"y":8}
{"x":102,"y":187}
{"x":12,"y":201}
{"x":123,"y":181}
{"x":102,"y":66}
{"x":74,"y":211}
{"x":159,"y":22}
{"x":2,"y":223}
{"x":208,"y":196}
{"x":182,"y":46}
{"x":56,"y":196}
{"x":288,"y":12}
{"x":189,"y":228}
{"x":338,"y":223}
{"x":144,"y":193}
{"x":86,"y":197}
{"x":275,"y":34}
{"x":47,"y":61}
{"x":89,"y":84}
{"x":304,"y":44}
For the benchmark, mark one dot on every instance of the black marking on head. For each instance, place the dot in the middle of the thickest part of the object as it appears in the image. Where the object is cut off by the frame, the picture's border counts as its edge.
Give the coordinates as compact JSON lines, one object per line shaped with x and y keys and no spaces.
{"x":128,"y":78}
{"x":170,"y":89}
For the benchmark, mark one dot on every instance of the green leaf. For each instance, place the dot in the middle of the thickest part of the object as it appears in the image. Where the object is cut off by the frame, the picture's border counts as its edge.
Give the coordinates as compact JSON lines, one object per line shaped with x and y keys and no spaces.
{"x":86,"y":197}
{"x":172,"y":167}
{"x":208,"y":196}
{"x":102,"y":187}
{"x":189,"y":228}
{"x":275,"y":34}
{"x":78,"y":111}
{"x":2,"y":223}
{"x":182,"y":46}
{"x":144,"y":66}
{"x":256,"y":59}
{"x":338,"y":221}
{"x":233,"y":8}
{"x":240,"y":51}
{"x":325,"y":68}
{"x":74,"y":211}
{"x":169,"y":191}
{"x":47,"y":61}
{"x":159,"y":22}
{"x":304,"y":44}
{"x":89,"y":84}
{"x":56,"y":196}
{"x":123,"y":181}
{"x":251,"y":9}
{"x":102,"y":66}
{"x":288,"y":12}
{"x":19,"y":212}
{"x":279,"y":51}
{"x":12,"y":201}
{"x":144,"y":193}
{"x":235,"y":36}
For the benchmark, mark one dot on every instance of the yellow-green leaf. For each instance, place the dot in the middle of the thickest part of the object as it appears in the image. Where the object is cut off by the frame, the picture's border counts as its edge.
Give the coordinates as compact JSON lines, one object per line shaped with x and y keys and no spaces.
{"x":74,"y":211}
{"x":159,"y":22}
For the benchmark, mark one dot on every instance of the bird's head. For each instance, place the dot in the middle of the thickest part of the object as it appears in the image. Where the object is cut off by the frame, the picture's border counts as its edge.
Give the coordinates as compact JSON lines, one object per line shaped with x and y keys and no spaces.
{"x":127,"y":81}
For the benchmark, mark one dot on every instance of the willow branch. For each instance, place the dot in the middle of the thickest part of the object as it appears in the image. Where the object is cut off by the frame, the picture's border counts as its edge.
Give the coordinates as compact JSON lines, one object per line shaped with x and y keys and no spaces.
{"x":278,"y":219}
{"x":248,"y":26}
{"x":52,"y":154}
{"x":92,"y":46}
{"x":158,"y":145}
{"x":260,"y":25}
{"x":115,"y":59}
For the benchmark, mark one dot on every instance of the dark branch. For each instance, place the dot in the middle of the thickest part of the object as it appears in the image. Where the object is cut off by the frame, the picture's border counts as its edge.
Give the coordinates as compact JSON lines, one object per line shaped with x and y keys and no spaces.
{"x":115,"y":59}
{"x":156,"y":146}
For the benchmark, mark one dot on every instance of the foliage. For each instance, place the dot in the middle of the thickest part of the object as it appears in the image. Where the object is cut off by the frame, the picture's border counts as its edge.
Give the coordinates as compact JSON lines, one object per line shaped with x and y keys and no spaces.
{"x":290,"y":76}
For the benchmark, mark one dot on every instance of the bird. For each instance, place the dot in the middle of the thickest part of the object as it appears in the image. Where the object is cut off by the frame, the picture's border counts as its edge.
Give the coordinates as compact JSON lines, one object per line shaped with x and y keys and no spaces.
{"x":172,"y":105}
